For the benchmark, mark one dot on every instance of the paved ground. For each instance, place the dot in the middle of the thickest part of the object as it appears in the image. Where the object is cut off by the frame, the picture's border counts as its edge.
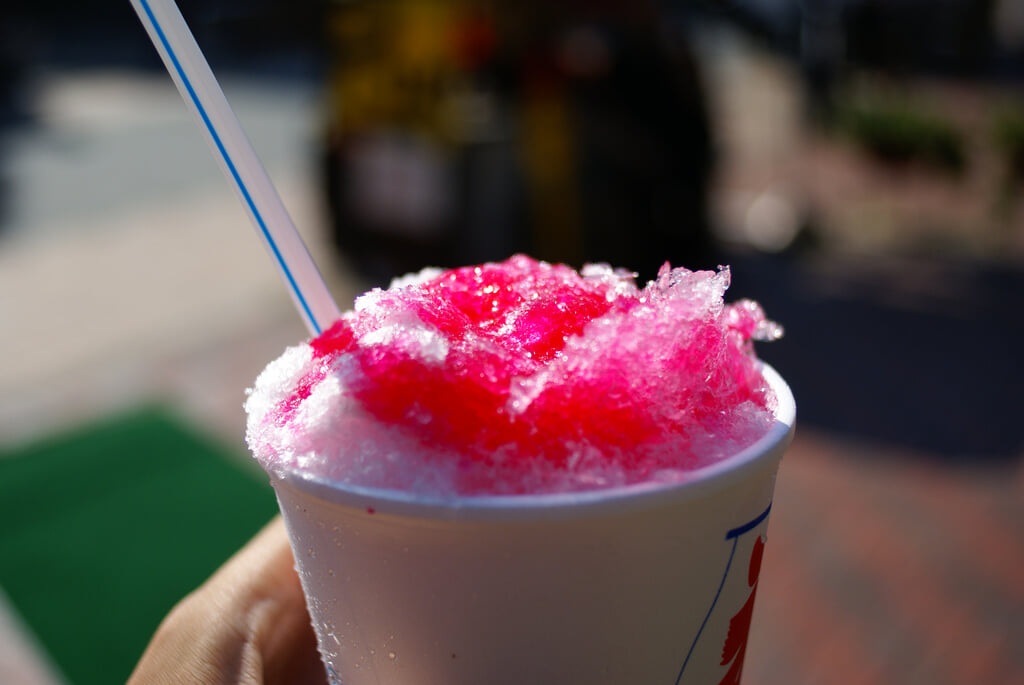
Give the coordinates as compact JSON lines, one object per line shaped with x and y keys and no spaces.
{"x":887,"y":562}
{"x":883,"y":567}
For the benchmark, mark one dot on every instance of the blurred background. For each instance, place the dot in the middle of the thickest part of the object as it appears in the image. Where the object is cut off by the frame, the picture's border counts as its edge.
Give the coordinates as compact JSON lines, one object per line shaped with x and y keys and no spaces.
{"x":858,"y":163}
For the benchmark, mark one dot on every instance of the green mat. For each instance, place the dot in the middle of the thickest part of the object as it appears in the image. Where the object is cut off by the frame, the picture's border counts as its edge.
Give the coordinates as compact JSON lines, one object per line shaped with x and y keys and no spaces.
{"x":104,"y":529}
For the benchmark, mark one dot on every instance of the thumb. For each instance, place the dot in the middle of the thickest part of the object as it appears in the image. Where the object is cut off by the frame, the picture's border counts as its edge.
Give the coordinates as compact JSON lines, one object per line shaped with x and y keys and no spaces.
{"x":247,"y":624}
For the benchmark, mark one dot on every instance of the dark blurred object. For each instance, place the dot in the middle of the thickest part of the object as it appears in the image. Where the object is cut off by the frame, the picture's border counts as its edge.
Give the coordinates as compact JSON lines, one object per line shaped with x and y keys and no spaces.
{"x":644,"y":140}
{"x":829,"y":39}
{"x":918,"y":353}
{"x":950,"y":36}
{"x":81,"y":34}
{"x":939,"y":36}
{"x":12,"y":75}
{"x":1009,"y":138}
{"x":902,"y":133}
{"x":460,"y":134}
{"x":417,"y":130}
{"x":15,"y":63}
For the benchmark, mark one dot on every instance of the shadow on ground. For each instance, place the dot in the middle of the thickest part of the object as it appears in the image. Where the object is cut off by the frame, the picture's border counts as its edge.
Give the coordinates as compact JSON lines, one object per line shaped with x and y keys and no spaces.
{"x":927,"y":359}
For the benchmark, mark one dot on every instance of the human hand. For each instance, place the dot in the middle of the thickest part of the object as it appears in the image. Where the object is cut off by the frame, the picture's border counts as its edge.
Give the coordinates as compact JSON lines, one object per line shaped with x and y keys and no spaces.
{"x":247,"y":624}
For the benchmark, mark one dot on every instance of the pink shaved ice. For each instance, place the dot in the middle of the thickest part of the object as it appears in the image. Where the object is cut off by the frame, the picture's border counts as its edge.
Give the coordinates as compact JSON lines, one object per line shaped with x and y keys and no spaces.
{"x":519,"y":377}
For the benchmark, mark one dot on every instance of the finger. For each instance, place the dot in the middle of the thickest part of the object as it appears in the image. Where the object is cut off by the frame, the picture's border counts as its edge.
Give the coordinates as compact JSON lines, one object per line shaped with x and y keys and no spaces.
{"x":247,"y":624}
{"x":278,"y":623}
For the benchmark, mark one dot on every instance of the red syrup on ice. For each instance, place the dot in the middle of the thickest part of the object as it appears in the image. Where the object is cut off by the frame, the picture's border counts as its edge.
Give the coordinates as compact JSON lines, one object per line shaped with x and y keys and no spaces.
{"x":532,"y":377}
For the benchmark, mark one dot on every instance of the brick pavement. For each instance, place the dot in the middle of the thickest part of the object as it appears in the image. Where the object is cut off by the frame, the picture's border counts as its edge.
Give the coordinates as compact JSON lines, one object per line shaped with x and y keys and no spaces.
{"x":885,"y":566}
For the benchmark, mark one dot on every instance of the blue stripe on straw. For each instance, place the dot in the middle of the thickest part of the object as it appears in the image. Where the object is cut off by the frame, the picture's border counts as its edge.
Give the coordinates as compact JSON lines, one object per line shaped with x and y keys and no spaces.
{"x":231,"y":166}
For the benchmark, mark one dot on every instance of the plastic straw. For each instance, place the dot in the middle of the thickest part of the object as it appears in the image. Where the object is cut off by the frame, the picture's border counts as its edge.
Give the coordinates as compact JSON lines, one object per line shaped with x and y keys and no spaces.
{"x":196,"y":83}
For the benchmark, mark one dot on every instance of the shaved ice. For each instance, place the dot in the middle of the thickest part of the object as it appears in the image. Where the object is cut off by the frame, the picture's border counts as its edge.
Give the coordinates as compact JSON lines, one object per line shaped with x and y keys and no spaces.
{"x":519,"y":377}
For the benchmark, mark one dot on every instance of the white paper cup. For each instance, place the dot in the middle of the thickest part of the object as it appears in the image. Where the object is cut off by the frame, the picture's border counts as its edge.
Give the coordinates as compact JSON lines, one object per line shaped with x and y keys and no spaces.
{"x":645,"y":584}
